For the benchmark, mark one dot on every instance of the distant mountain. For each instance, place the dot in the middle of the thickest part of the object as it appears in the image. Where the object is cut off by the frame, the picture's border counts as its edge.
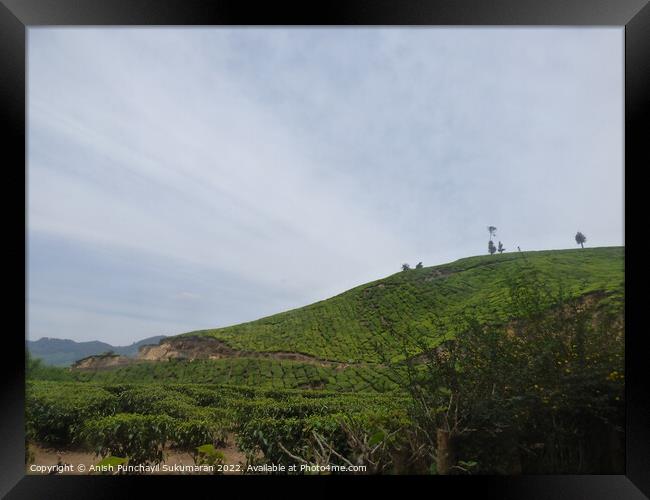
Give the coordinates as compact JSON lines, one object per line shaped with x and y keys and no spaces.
{"x":64,"y":352}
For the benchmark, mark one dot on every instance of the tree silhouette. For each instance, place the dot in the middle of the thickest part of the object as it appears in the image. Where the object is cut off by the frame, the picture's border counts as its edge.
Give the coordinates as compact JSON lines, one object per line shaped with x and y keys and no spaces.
{"x":580,"y":239}
{"x":419,"y":265}
{"x":501,"y":249}
{"x":492,"y":230}
{"x":405,"y":267}
{"x":491,"y":247}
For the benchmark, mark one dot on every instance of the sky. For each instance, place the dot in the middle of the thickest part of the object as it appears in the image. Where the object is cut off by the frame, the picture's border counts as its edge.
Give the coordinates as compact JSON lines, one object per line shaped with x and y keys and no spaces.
{"x":181,"y":179}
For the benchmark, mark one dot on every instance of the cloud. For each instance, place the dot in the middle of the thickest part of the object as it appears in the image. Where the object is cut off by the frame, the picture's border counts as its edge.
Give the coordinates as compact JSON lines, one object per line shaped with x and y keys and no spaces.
{"x":264,"y":169}
{"x":187,"y":296}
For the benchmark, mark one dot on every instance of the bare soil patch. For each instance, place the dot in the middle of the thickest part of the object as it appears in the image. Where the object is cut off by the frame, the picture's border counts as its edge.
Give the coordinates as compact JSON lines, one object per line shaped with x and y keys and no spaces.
{"x":199,"y":347}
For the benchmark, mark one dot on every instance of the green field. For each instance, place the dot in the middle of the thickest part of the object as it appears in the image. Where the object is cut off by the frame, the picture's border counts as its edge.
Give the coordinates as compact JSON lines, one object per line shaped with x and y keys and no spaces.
{"x":236,"y":371}
{"x":141,"y":420}
{"x":359,"y":401}
{"x":342,"y":328}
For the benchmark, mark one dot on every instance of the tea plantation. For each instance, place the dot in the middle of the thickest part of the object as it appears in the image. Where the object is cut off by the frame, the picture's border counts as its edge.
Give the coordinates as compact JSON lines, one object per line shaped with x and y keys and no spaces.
{"x":348,"y":398}
{"x":342,"y":328}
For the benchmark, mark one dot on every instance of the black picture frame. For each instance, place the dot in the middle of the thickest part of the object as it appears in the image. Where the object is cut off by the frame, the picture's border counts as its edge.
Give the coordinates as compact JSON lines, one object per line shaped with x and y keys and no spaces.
{"x":632,"y":15}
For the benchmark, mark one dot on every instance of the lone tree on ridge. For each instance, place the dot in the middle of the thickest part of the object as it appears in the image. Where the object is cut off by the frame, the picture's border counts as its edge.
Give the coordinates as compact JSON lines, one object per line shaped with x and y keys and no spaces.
{"x":580,"y":239}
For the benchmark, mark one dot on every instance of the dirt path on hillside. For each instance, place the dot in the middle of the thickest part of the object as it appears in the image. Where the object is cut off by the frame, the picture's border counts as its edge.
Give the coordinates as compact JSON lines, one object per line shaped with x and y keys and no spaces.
{"x":203,"y":347}
{"x":206,"y":347}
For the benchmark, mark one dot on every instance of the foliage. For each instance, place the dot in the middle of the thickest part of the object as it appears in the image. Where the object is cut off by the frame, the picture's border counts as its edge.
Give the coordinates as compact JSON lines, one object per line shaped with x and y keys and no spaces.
{"x":207,"y":454}
{"x":350,"y":438}
{"x":148,"y":419}
{"x":509,"y":363}
{"x":55,"y":412}
{"x":110,"y":464}
{"x":140,"y":438}
{"x":111,"y":461}
{"x":550,"y":380}
{"x":343,"y":327}
{"x":264,"y":373}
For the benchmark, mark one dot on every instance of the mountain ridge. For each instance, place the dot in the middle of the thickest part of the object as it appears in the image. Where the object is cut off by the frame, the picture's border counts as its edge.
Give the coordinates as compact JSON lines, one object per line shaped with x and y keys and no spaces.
{"x":63,"y":352}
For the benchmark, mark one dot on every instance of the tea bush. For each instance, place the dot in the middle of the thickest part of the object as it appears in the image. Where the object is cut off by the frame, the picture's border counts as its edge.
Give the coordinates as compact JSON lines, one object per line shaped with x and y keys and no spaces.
{"x":56,"y":411}
{"x":140,"y":438}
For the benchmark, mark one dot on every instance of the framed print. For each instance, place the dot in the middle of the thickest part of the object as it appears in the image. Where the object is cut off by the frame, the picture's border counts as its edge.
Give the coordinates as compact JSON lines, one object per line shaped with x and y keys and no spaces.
{"x":368,"y":242}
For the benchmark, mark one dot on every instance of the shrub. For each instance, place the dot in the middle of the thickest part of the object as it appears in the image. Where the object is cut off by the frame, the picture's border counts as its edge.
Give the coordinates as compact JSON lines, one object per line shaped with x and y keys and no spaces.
{"x":140,"y":438}
{"x":56,"y":411}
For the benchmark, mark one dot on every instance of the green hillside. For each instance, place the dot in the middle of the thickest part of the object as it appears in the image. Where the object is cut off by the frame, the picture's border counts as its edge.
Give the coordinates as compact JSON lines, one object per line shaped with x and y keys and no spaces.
{"x":343,"y":327}
{"x":548,"y":398}
{"x":262,"y":373}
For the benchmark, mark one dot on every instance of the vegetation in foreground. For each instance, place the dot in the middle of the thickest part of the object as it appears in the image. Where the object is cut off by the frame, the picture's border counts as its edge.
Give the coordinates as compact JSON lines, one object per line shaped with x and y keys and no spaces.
{"x":535,"y":388}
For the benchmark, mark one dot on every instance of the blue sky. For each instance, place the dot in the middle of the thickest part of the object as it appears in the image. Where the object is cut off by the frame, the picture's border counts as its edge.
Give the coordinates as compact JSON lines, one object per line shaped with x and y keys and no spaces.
{"x":181,"y":179}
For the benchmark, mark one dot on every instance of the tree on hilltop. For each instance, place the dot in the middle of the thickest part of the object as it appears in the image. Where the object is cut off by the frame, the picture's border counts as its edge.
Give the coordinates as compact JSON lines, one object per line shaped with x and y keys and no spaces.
{"x":419,"y":265}
{"x":501,"y":249}
{"x":405,"y":267}
{"x":491,"y":247}
{"x":581,"y":239}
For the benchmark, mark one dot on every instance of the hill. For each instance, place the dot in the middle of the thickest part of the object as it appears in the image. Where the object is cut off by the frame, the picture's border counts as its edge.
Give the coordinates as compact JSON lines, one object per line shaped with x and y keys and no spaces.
{"x":343,"y":328}
{"x":541,"y":392}
{"x":64,"y":352}
{"x":331,"y":344}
